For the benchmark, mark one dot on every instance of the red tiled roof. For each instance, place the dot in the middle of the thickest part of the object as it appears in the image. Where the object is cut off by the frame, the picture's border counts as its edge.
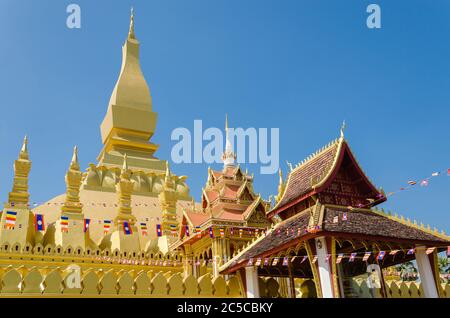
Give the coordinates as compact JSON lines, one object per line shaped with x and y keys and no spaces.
{"x":299,"y":181}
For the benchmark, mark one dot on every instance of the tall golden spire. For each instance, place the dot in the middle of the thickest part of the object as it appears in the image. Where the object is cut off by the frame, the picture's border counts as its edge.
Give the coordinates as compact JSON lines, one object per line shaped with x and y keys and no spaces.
{"x":129,"y":122}
{"x":123,"y":189}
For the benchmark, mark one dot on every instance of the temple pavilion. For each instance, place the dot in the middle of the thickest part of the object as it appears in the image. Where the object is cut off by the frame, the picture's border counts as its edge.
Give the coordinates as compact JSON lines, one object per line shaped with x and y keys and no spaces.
{"x":230,"y":216}
{"x":327,"y":230}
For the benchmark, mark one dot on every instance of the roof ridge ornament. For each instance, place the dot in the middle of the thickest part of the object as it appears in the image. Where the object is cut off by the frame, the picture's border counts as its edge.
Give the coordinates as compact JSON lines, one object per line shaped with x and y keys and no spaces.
{"x":228,"y":156}
{"x":343,"y":126}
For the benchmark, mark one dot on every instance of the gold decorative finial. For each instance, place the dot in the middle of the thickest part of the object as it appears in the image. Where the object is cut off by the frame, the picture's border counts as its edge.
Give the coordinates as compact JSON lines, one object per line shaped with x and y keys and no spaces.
{"x":343,"y":129}
{"x":75,"y":154}
{"x":226,"y":123}
{"x":24,"y":150}
{"x":131,"y":34}
{"x":125,"y":163}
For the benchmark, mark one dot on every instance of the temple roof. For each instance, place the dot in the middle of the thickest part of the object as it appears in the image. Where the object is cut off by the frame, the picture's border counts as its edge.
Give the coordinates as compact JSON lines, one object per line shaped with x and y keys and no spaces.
{"x":361,"y":223}
{"x":316,"y":173}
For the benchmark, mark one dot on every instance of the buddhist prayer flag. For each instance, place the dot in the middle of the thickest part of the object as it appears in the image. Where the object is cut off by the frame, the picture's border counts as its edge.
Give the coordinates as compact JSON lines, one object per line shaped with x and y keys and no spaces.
{"x":381,"y":255}
{"x":285,"y":261}
{"x":158,"y":230}
{"x":144,"y":229}
{"x":106,"y":226}
{"x":39,"y":222}
{"x":199,"y":232}
{"x":222,"y":232}
{"x":86,"y":225}
{"x":424,"y":183}
{"x":275,"y":261}
{"x":64,"y":224}
{"x":352,"y":257}
{"x":250,"y":262}
{"x":211,"y":232}
{"x":11,"y":217}
{"x":344,"y":216}
{"x":314,"y":259}
{"x":430,"y":250}
{"x":266,"y":261}
{"x":127,"y":228}
{"x":304,"y":259}
{"x":186,"y":230}
{"x":258,"y":261}
{"x":410,"y":251}
{"x":339,"y":258}
{"x":393,"y":252}
{"x":366,"y":256}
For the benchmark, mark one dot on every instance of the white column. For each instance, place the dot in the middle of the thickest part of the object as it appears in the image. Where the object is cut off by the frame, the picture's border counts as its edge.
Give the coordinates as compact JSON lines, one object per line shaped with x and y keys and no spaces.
{"x":251,"y":279}
{"x":426,"y":273}
{"x":324,"y":268}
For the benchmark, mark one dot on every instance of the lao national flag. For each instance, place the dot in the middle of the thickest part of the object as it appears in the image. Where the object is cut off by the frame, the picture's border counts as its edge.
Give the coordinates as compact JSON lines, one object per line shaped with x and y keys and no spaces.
{"x":285,"y":261}
{"x":86,"y":224}
{"x":344,"y":216}
{"x":158,"y":230}
{"x":410,"y":251}
{"x":381,"y":255}
{"x":186,"y":230}
{"x":127,"y":228}
{"x":352,"y":257}
{"x":39,"y":222}
{"x":211,"y":232}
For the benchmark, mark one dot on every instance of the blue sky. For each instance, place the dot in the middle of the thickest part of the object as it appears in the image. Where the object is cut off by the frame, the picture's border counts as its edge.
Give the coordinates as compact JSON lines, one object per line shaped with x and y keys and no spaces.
{"x":301,"y":66}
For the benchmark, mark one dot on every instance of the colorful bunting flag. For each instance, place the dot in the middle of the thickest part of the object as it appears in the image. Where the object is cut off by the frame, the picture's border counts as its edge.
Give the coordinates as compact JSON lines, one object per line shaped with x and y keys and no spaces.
{"x":410,"y":251}
{"x":39,"y":222}
{"x":336,"y":219}
{"x":344,"y":216}
{"x":352,"y":257}
{"x":285,"y":261}
{"x":250,"y":262}
{"x":158,"y":230}
{"x":198,"y":231}
{"x":86,"y":223}
{"x":64,"y":224}
{"x":106,"y":226}
{"x":304,"y":259}
{"x":144,"y":229}
{"x":186,"y":230}
{"x":11,"y":217}
{"x":339,"y":258}
{"x":314,"y":259}
{"x":411,"y":182}
{"x":327,"y":258}
{"x":430,"y":250}
{"x":435,"y":174}
{"x":424,"y":183}
{"x":366,"y":256}
{"x":393,"y":252}
{"x":241,"y":231}
{"x":127,"y":228}
{"x":266,"y":261}
{"x":381,"y":255}
{"x":275,"y":261}
{"x":211,"y":232}
{"x":222,"y":232}
{"x":258,"y":261}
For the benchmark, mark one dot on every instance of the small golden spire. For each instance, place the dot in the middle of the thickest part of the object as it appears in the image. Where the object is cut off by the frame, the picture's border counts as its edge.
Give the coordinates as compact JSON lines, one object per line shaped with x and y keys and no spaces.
{"x":343,"y":129}
{"x":74,"y":162}
{"x":125,"y":163}
{"x":24,"y":150}
{"x":131,"y":34}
